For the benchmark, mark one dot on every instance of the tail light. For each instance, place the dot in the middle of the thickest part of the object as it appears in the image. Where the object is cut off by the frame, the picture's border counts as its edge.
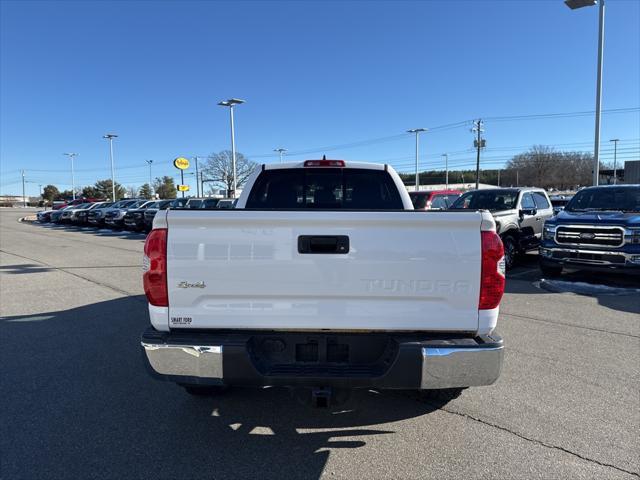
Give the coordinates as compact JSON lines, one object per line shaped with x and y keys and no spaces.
{"x":154,"y":265}
{"x":493,"y":271}
{"x":324,"y":163}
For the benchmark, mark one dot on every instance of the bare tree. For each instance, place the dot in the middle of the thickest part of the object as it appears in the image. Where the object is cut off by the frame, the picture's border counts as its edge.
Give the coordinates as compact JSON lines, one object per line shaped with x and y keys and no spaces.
{"x":218,"y":170}
{"x":132,"y":192}
{"x":545,"y":167}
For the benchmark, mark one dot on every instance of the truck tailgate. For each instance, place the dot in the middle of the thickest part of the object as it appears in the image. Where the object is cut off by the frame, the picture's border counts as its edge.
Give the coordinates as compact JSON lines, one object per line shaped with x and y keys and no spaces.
{"x":404,"y":270}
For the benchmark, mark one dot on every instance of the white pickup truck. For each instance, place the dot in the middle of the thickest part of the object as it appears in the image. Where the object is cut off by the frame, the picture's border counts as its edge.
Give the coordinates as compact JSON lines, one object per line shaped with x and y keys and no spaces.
{"x":323,"y":277}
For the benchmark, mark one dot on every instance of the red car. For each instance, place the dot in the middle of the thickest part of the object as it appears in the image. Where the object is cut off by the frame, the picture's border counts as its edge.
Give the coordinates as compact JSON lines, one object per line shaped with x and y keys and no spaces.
{"x":433,"y":199}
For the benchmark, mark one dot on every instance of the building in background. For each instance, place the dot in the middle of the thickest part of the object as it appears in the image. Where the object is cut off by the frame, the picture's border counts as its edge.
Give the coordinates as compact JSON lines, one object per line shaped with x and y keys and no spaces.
{"x":629,"y":173}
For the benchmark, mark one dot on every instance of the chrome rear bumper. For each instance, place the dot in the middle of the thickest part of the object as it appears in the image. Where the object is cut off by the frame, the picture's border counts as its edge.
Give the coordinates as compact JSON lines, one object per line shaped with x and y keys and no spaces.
{"x":431,"y":364}
{"x":450,"y":367}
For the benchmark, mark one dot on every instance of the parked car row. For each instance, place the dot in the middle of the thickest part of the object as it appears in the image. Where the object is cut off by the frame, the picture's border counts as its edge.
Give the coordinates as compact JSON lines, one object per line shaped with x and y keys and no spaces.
{"x":597,"y":228}
{"x":130,"y":214}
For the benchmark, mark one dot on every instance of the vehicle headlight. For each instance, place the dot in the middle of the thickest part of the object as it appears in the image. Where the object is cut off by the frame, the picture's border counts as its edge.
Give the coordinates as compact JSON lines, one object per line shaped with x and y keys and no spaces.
{"x":632,"y":235}
{"x":549,"y":232}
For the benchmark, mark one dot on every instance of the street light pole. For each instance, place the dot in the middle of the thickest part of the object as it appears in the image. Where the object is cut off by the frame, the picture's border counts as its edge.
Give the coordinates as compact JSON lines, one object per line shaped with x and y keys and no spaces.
{"x":446,"y":170}
{"x":417,"y":131}
{"x":110,"y":137}
{"x":24,"y":198}
{"x":149,"y":162}
{"x":615,"y":159}
{"x":280,"y":151}
{"x":573,"y":5}
{"x":230,"y":103}
{"x":73,"y":180}
{"x":596,"y":145}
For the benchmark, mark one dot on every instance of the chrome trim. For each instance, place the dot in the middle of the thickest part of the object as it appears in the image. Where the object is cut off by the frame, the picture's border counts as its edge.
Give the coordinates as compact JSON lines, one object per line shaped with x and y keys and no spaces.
{"x":627,"y":256}
{"x":185,"y":360}
{"x":452,"y":367}
{"x":595,"y":227}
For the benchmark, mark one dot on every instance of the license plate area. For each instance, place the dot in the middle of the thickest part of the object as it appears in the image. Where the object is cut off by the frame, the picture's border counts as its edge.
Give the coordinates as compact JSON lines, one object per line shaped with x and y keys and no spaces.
{"x":322,"y":354}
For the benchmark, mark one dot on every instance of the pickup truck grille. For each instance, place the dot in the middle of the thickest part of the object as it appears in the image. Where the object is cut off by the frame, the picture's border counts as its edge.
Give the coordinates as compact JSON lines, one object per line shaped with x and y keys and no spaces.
{"x":596,"y":258}
{"x":590,"y":235}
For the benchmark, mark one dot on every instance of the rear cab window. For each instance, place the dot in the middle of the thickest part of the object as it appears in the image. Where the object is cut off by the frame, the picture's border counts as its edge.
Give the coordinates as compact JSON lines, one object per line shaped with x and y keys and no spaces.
{"x":419,"y":200}
{"x":324,"y":189}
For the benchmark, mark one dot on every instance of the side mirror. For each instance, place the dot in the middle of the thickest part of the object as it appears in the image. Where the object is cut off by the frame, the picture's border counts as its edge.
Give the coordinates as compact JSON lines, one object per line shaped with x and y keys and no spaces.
{"x":527,"y":211}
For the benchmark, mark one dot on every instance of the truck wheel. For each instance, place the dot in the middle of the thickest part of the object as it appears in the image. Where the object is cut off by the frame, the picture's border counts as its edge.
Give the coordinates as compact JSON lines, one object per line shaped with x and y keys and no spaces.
{"x":510,"y":252}
{"x":550,"y":270}
{"x":202,"y":390}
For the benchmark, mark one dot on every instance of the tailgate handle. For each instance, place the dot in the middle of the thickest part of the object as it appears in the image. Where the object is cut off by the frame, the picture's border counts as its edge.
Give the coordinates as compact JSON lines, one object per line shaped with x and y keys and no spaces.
{"x":323,"y":244}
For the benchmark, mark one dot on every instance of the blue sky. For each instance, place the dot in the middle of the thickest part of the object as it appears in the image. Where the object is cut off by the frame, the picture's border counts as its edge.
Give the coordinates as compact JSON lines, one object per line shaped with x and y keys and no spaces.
{"x":314,"y":74}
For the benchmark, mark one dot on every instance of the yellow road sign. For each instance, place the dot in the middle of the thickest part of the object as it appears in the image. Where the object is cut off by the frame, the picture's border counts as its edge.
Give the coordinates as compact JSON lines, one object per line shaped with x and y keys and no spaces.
{"x":183,"y":188}
{"x":181,"y":163}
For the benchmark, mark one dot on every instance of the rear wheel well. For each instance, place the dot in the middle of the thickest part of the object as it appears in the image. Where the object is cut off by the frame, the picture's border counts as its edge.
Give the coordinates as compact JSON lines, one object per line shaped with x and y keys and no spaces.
{"x":512,"y":232}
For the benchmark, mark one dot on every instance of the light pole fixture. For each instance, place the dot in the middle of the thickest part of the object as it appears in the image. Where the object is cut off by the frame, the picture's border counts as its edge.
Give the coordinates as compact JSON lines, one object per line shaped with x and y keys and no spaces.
{"x":280,"y":151}
{"x":231,"y":103}
{"x":73,"y":179}
{"x":110,"y":137}
{"x":615,"y":158}
{"x":446,"y":170}
{"x":417,"y":131}
{"x":573,"y":5}
{"x":149,"y":162}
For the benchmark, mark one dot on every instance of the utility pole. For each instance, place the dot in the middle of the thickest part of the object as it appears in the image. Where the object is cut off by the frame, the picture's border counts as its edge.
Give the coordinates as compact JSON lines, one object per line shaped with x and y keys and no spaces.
{"x":41,"y":192}
{"x":498,"y":177}
{"x":417,"y":131}
{"x":517,"y":178}
{"x":110,"y":137}
{"x":479,"y":142}
{"x":446,"y":170}
{"x":280,"y":151}
{"x":615,"y":159}
{"x":197,"y":178}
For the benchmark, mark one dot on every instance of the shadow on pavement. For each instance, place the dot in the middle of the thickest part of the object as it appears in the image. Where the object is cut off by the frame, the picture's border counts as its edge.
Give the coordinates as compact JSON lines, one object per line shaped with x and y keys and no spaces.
{"x":24,"y":268}
{"x":78,"y":403}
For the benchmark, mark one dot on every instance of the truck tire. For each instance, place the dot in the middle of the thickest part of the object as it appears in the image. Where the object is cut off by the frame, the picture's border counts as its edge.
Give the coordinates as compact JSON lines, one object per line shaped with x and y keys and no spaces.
{"x":202,"y":390}
{"x":550,"y":271}
{"x":510,"y":251}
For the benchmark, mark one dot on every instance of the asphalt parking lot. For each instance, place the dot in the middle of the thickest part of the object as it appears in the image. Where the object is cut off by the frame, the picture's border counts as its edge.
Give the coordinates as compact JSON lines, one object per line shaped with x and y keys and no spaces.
{"x":78,"y":403}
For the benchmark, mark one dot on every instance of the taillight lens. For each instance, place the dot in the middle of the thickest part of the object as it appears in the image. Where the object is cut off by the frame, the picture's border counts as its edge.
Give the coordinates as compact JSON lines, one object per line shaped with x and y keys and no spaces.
{"x":155,"y":268}
{"x":324,"y":163}
{"x":493,"y":271}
